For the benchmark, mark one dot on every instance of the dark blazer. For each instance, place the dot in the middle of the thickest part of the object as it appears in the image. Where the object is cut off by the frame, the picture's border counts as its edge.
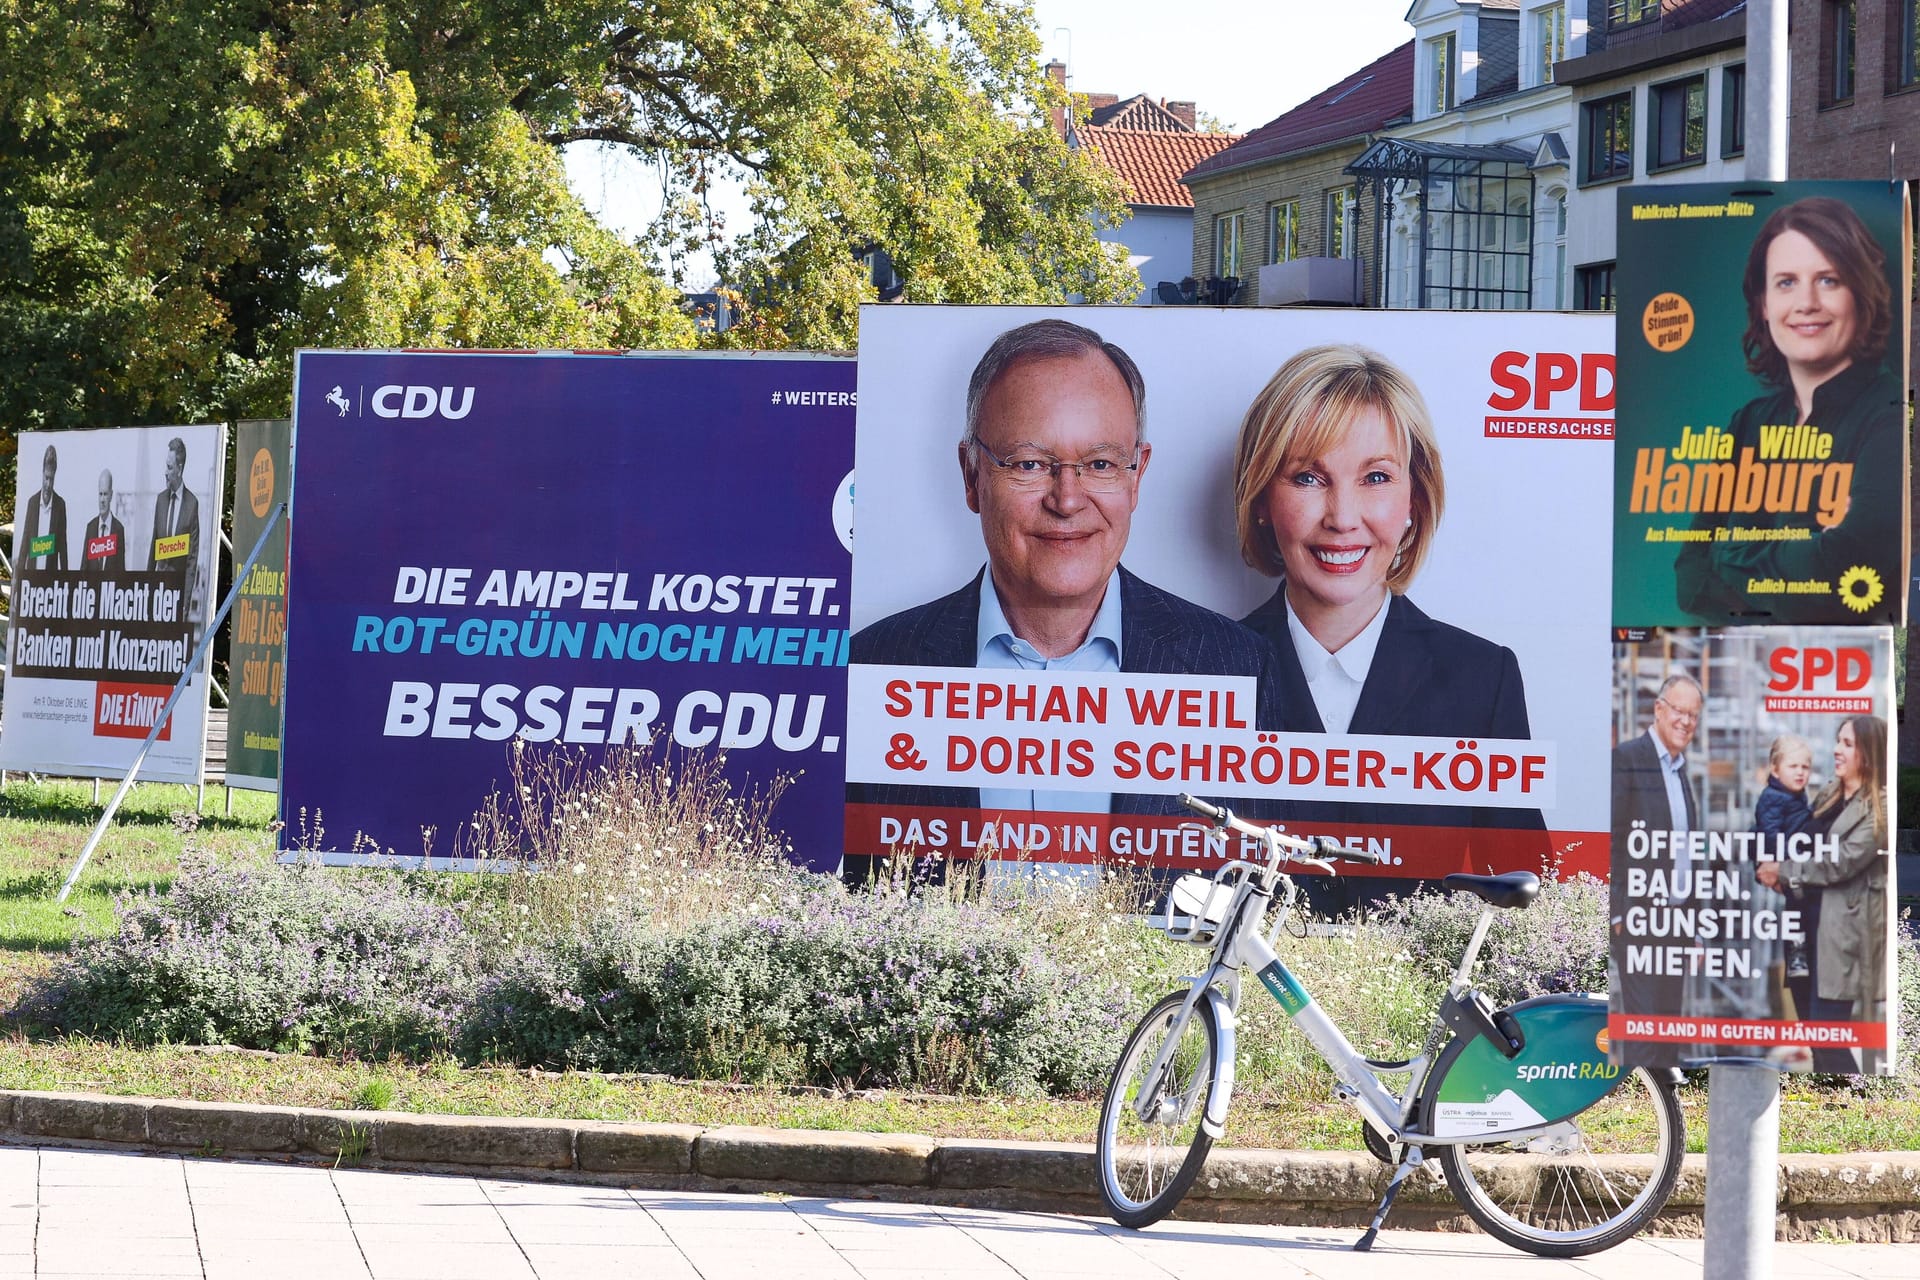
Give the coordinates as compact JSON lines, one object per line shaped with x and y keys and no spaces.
{"x":114,"y":563}
{"x":188,"y":523}
{"x":59,"y":559}
{"x":1640,"y":792}
{"x":1160,"y":634}
{"x":1640,"y":795}
{"x":1864,"y":410}
{"x":1427,"y":680}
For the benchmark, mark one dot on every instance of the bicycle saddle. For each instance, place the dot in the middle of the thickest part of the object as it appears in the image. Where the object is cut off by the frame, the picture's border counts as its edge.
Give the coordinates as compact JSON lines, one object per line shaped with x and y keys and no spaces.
{"x":1508,"y":889}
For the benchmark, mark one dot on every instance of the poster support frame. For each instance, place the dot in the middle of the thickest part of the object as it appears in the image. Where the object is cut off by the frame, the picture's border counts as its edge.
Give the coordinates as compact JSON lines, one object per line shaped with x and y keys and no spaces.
{"x":160,"y":721}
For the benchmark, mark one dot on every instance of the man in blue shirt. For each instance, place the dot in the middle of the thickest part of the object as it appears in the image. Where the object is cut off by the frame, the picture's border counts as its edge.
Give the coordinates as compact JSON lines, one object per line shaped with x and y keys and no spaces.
{"x":1052,"y":459}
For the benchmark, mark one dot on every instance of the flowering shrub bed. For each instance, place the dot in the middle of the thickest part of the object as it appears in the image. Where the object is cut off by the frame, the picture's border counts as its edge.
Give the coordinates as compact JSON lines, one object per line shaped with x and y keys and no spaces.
{"x":1558,"y":944}
{"x":862,"y":990}
{"x":269,"y":957}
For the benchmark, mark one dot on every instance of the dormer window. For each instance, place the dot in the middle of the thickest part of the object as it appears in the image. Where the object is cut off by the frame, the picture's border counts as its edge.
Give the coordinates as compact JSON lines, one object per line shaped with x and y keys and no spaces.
{"x":1626,"y":13}
{"x":1440,"y":74}
{"x":1550,"y":40}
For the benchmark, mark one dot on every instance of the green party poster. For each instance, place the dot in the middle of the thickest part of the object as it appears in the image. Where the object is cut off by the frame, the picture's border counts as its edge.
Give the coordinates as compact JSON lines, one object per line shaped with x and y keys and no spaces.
{"x":1760,"y":456}
{"x":257,"y":658}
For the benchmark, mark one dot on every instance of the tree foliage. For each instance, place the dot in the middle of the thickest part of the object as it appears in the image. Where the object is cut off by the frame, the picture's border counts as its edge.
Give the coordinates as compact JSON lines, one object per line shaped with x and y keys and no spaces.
{"x":191,"y":189}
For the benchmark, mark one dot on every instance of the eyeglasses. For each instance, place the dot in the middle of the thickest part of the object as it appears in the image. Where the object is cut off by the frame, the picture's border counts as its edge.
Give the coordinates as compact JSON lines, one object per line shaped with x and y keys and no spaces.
{"x":1032,"y":472}
{"x":1683,"y":717}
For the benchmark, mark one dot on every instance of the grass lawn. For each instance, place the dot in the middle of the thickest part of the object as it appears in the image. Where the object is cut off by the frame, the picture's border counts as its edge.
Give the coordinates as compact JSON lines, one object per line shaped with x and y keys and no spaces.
{"x":44,"y":825}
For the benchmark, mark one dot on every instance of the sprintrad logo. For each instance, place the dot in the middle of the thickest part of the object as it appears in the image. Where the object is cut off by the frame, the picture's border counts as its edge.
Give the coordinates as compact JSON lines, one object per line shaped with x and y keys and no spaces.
{"x":396,"y":401}
{"x":1568,"y":1071}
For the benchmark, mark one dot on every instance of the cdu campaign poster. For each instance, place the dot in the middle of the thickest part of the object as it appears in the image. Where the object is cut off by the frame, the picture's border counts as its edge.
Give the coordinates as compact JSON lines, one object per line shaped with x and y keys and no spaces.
{"x":112,"y":587}
{"x":1760,"y":475}
{"x":1334,"y":569}
{"x":1753,"y":878}
{"x":561,"y":550}
{"x":263,"y":453}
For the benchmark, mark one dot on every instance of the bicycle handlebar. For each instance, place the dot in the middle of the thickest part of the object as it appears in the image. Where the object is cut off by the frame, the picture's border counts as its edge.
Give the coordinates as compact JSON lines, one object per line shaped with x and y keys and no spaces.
{"x":1310,"y":848}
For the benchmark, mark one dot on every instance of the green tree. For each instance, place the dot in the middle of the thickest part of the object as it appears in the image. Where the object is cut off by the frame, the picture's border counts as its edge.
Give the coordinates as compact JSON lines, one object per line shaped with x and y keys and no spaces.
{"x":192,"y":189}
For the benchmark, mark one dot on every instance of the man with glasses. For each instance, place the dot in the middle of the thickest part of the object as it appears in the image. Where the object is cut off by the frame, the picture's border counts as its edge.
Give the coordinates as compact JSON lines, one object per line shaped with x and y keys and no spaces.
{"x":1651,"y":791}
{"x":1051,"y":459}
{"x":1650,"y":783}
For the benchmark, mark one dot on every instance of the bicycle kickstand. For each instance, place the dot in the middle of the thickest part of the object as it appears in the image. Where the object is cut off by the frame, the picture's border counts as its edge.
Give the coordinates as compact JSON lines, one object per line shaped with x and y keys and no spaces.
{"x":1412,"y":1160}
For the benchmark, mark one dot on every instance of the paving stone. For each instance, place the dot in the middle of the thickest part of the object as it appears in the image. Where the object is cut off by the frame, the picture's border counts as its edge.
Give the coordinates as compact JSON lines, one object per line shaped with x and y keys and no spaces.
{"x":224,"y":1126}
{"x":81,"y":1115}
{"x":809,"y":1156}
{"x":1059,"y":1167}
{"x":636,"y":1148}
{"x":523,"y":1144}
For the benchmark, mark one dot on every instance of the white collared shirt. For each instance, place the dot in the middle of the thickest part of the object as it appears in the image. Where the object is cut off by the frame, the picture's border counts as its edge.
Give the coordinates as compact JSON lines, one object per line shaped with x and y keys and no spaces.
{"x":995,"y":646}
{"x":1335,"y":679}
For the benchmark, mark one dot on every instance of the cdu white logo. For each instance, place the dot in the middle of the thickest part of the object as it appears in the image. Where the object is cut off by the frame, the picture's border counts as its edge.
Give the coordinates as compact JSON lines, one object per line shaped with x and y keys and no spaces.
{"x":395,"y":401}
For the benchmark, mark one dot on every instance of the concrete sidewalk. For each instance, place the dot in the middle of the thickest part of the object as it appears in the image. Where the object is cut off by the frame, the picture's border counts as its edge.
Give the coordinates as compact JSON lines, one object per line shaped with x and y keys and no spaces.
{"x":80,"y":1213}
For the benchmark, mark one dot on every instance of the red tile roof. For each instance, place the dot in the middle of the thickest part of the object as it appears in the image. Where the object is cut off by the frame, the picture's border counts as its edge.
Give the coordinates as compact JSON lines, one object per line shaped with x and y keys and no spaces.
{"x":1150,"y":161}
{"x":1360,"y":104}
{"x":1139,"y":112}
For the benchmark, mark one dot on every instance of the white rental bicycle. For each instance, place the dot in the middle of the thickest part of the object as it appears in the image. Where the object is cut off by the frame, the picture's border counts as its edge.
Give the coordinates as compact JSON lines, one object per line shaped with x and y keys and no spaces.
{"x":1550,"y":1147}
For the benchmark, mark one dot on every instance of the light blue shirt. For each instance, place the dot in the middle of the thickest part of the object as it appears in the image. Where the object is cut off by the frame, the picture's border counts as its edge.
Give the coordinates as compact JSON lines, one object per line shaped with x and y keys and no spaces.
{"x":996,"y":647}
{"x":1672,"y":772}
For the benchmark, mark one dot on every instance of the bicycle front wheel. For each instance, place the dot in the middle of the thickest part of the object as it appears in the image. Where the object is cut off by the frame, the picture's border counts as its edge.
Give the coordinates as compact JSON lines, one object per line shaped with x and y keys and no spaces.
{"x":1583,"y":1190}
{"x":1150,"y":1154}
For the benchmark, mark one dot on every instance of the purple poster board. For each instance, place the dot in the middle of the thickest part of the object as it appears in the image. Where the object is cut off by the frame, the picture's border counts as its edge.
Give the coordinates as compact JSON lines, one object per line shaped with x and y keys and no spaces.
{"x":564,"y":548}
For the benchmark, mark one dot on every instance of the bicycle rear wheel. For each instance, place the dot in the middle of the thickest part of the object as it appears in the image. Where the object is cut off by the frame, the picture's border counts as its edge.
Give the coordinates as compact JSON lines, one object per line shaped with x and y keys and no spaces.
{"x":1146,"y":1166}
{"x":1585,"y":1190}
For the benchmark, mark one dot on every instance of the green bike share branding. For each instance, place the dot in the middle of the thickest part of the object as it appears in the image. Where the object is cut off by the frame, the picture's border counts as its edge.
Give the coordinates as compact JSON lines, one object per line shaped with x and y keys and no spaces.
{"x":1562,"y":1070}
{"x":1285,"y":987}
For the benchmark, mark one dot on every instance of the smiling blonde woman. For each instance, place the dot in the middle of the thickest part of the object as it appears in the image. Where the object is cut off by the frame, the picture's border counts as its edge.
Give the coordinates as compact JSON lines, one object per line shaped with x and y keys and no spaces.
{"x":1338,"y":492}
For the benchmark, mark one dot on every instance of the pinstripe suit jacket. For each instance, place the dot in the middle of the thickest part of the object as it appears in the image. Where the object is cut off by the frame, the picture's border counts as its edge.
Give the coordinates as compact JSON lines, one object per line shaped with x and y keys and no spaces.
{"x":1160,"y":634}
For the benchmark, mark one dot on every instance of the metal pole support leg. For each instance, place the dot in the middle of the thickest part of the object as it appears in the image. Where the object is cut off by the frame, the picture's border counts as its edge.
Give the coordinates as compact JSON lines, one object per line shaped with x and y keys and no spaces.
{"x":1743,"y":1174}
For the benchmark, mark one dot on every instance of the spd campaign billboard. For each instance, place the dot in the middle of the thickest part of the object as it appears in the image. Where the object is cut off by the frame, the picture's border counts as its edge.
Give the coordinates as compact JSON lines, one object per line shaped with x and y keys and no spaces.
{"x":1760,"y":477}
{"x":565,"y":551}
{"x":112,"y":587}
{"x":1753,"y":879}
{"x":1409,"y":512}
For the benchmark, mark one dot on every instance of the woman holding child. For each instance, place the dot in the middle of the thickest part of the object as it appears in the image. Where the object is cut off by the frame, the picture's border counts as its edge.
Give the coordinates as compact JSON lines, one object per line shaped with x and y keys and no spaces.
{"x":1850,"y":946}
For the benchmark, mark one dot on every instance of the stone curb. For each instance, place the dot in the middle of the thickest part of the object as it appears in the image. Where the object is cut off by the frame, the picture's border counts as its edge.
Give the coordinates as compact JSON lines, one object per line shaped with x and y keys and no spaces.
{"x":1871,"y":1196}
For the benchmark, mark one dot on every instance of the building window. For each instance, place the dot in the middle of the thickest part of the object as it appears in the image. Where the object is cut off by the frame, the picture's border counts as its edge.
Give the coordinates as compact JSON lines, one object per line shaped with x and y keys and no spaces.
{"x":1227,"y":230}
{"x":1837,"y":45}
{"x":1679,"y":122}
{"x":1624,"y":13}
{"x":1283,"y":231}
{"x":1907,"y":64}
{"x":1593,"y":287}
{"x":1340,"y":223}
{"x":1550,"y":35}
{"x":1476,"y":235}
{"x":1733,"y":111}
{"x":1559,"y":199}
{"x":1607,"y":138}
{"x":1440,"y":72}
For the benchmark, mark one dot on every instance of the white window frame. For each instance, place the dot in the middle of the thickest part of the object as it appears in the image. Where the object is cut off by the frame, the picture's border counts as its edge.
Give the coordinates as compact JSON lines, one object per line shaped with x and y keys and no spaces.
{"x":1341,"y":223}
{"x":1227,"y":264}
{"x":1547,"y":39}
{"x":1283,"y":245}
{"x":1442,"y":73}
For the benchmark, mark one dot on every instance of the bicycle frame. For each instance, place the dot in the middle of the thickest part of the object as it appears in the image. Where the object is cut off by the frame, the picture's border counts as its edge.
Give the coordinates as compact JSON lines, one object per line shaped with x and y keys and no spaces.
{"x":1238,"y":947}
{"x":1512,"y":1082}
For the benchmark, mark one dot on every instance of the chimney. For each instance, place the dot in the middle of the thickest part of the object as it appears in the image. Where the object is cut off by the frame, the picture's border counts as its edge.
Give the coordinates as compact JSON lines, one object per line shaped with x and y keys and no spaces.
{"x":1183,"y":112}
{"x":1057,"y":72}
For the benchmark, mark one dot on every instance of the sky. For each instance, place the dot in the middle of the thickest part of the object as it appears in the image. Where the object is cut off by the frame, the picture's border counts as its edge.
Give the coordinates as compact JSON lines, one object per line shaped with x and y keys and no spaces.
{"x":1242,"y":61}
